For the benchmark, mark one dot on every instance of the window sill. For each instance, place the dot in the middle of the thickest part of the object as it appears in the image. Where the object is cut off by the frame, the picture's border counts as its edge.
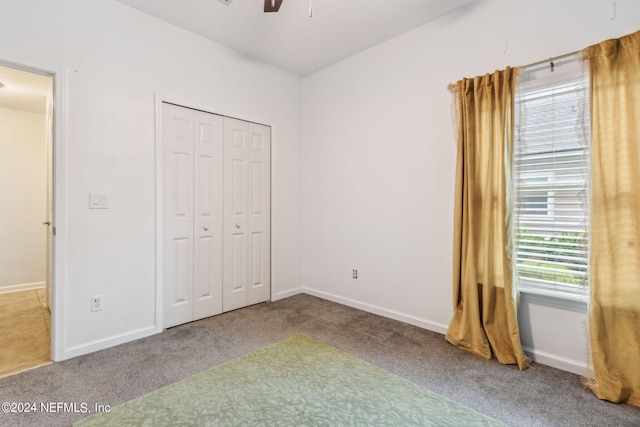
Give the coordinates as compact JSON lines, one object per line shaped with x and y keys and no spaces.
{"x":573,"y":301}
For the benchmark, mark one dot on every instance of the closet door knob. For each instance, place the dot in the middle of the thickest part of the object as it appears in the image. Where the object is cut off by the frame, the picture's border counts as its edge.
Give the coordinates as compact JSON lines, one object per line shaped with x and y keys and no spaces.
{"x":237,"y":225}
{"x":205,"y":227}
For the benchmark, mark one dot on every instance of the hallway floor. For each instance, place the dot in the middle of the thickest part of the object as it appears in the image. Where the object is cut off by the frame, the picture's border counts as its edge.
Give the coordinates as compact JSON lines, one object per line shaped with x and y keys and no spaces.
{"x":25,"y":331}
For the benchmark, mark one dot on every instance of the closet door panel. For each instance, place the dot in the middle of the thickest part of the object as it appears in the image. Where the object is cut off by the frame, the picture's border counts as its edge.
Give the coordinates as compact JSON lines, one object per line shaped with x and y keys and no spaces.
{"x":236,"y":191}
{"x":208,"y":174}
{"x":260,"y":213}
{"x":177,"y":215}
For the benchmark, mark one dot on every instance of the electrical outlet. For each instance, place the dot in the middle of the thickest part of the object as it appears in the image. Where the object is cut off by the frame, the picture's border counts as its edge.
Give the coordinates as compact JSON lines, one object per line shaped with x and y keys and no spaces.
{"x":355,"y":273}
{"x":96,"y":303}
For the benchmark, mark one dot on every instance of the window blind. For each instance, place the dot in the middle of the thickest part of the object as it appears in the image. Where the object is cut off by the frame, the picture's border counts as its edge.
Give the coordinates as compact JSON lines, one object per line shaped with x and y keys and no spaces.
{"x":551,"y":180}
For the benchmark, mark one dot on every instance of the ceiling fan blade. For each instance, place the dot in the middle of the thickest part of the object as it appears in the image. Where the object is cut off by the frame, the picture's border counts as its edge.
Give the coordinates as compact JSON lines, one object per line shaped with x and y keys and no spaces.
{"x":272,"y":5}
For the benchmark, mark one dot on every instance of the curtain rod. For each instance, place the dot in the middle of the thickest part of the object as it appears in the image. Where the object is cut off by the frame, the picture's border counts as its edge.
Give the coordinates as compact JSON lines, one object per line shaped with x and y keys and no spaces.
{"x":539,"y":65}
{"x":553,"y":62}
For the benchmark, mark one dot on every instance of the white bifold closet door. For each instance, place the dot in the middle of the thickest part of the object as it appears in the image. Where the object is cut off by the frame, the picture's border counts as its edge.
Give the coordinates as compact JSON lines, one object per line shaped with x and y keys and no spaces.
{"x":247,"y":207}
{"x":216,"y":214}
{"x":192,"y":190}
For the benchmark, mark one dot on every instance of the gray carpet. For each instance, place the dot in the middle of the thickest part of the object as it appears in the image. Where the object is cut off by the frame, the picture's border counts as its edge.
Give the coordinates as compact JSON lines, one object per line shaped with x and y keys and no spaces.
{"x":539,"y":396}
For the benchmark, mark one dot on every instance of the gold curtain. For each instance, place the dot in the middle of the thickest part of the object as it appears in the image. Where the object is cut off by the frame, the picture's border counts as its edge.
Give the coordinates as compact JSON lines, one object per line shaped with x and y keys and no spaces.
{"x":485,"y":320}
{"x":614,"y":316}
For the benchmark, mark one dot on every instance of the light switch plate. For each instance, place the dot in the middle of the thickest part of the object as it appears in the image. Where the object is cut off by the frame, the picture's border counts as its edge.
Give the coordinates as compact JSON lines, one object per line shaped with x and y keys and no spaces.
{"x":99,"y":201}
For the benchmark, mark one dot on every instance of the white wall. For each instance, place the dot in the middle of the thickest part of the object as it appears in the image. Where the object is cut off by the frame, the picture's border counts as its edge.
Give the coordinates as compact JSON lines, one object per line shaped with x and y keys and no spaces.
{"x":23,"y":205}
{"x":117,"y":59}
{"x":379,"y":160}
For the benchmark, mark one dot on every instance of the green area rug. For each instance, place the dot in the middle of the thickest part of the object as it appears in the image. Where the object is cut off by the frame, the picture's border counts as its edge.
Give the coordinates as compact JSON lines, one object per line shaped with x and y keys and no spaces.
{"x":295,"y":382}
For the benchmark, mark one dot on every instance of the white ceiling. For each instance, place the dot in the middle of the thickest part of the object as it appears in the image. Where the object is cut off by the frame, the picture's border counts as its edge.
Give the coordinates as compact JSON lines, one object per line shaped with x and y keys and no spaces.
{"x":23,"y":90}
{"x":290,"y":39}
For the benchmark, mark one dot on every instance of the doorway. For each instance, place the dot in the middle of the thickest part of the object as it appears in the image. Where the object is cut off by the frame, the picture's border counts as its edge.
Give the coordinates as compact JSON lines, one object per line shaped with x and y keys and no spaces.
{"x":26,"y":189}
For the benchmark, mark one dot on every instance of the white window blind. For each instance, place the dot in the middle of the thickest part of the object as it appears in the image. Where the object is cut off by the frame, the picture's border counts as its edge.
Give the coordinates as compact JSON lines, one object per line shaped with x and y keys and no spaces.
{"x":551,"y":180}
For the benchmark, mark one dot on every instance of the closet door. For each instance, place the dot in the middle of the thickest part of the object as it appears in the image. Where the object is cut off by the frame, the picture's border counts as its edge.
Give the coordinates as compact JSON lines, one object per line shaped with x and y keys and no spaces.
{"x":236,"y":193}
{"x":247,"y":217}
{"x":192,"y":216}
{"x":177,"y":214}
{"x":260,"y":213}
{"x":208,"y":145}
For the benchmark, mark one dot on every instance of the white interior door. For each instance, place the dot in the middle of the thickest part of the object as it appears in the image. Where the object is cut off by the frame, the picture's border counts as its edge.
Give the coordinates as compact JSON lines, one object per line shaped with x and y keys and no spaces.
{"x":260,"y":213}
{"x":192,"y":192}
{"x":49,"y":222}
{"x":236,"y":192}
{"x":247,"y":195}
{"x":208,"y":140}
{"x":178,"y":175}
{"x":216,"y":214}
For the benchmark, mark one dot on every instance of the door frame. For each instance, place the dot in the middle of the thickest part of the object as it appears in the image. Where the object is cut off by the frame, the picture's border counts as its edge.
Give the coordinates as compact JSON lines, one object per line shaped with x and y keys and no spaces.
{"x":159,"y":259}
{"x":58,"y":255}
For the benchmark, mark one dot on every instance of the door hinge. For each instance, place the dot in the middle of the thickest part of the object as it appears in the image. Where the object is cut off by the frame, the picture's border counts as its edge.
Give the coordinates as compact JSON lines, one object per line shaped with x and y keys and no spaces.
{"x":53,"y":231}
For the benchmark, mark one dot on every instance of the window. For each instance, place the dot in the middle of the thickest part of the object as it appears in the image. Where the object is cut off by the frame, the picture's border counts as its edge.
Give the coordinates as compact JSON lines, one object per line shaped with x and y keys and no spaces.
{"x":551,"y":180}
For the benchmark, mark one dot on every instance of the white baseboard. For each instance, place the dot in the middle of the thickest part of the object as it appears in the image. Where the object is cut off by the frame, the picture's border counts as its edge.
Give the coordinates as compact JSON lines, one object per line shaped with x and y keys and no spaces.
{"x":22,"y":287}
{"x":406,"y":318}
{"x":108,"y":342}
{"x":544,"y":358}
{"x":286,"y":294}
{"x":555,"y":361}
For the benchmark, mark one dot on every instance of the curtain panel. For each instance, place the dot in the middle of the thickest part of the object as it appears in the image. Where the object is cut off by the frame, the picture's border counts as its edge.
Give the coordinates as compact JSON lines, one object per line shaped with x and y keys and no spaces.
{"x":614,"y":313}
{"x":485,"y":319}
